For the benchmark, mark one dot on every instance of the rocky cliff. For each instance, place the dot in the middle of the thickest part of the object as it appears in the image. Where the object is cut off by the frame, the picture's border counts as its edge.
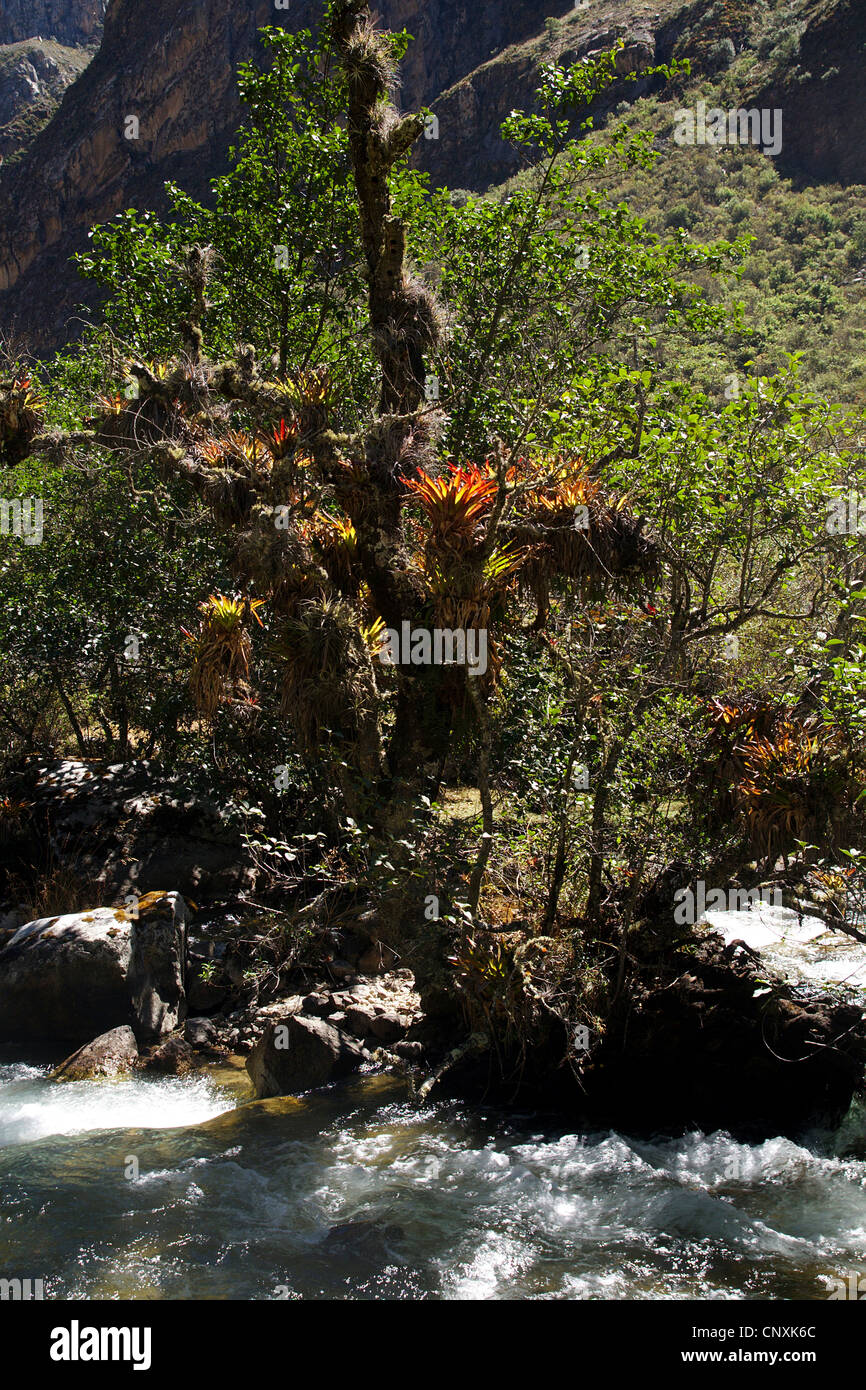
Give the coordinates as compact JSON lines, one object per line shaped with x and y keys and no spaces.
{"x":34,"y":74}
{"x":819,"y":83}
{"x":71,"y":22}
{"x":172,"y":63}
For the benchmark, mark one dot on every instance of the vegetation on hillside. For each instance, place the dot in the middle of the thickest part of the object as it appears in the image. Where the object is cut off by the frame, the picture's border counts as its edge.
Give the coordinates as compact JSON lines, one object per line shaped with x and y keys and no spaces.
{"x":340,"y":413}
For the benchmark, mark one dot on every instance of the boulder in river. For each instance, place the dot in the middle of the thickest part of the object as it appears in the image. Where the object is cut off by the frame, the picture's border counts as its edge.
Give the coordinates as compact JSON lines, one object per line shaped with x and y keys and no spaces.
{"x":68,"y":978}
{"x":111,"y":1054}
{"x":200,"y":1032}
{"x":299,"y":1053}
{"x":173,"y":1057}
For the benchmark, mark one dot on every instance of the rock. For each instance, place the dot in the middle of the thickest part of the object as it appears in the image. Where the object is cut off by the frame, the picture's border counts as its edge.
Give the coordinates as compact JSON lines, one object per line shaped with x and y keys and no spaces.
{"x":129,"y":829}
{"x":200,"y":1032}
{"x":299,"y":1053}
{"x":315,"y":1003}
{"x":368,"y":1241}
{"x":157,"y":961}
{"x":377,"y":959}
{"x":360,"y":1021}
{"x":725,"y":1044}
{"x":111,"y":1054}
{"x":79,"y":22}
{"x":411,"y":1051}
{"x":339,"y":1019}
{"x":33,"y":78}
{"x":342,"y":970}
{"x":388,"y":1027}
{"x":634,"y":56}
{"x":65,"y":978}
{"x":174,"y":1057}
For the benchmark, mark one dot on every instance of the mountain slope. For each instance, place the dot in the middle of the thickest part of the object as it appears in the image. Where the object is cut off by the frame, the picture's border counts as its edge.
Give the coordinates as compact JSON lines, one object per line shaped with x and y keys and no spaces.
{"x":75,"y":23}
{"x":171,"y":64}
{"x":34,"y":74}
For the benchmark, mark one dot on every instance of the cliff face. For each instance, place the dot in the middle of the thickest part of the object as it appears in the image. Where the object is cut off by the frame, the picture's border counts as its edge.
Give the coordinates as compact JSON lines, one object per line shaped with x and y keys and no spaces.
{"x":34,"y":74}
{"x":71,"y":22}
{"x":169,"y":63}
{"x":172,"y":63}
{"x":821,"y":91}
{"x":44,"y":46}
{"x":470,"y":152}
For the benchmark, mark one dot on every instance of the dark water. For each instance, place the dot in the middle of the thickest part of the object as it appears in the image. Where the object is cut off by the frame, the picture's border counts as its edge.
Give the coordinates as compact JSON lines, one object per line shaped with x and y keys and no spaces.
{"x":360,"y":1193}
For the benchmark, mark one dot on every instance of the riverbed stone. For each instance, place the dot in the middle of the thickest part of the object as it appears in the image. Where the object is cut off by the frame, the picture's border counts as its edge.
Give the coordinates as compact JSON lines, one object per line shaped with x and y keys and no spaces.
{"x":388,"y":1027}
{"x":200,"y":1032}
{"x":299,"y":1053}
{"x":174,"y":1057}
{"x":359,"y":1021}
{"x":111,"y":1054}
{"x":68,"y":978}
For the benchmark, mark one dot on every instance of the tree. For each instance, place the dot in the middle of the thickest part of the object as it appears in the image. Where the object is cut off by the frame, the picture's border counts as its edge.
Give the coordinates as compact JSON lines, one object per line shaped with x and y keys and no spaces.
{"x":372,"y":533}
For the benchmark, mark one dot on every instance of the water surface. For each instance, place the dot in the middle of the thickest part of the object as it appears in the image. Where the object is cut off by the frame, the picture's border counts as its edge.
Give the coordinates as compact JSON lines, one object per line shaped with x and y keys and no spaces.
{"x":168,"y":1188}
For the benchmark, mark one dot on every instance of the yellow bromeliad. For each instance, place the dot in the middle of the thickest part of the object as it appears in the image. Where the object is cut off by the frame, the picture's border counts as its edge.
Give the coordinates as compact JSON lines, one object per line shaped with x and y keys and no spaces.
{"x":221,"y":650}
{"x":21,"y":411}
{"x":235,"y":447}
{"x":455,"y":503}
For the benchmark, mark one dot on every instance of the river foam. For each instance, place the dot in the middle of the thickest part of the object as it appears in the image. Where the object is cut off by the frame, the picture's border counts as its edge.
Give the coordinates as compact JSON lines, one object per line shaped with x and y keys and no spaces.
{"x":32,"y":1108}
{"x":360,"y":1193}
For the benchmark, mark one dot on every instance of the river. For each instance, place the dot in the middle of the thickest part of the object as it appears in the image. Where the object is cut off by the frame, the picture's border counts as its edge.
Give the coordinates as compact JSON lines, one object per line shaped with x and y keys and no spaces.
{"x":183,"y":1188}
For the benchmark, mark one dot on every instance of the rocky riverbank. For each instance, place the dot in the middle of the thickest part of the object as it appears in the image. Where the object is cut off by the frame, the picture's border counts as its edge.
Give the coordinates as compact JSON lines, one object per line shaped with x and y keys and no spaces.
{"x":712,"y":1039}
{"x":708,"y":1031}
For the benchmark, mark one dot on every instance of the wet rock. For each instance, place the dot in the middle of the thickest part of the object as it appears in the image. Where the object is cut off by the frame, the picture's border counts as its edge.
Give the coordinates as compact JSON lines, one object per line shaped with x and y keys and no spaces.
{"x":111,"y":1054}
{"x":174,"y":1057}
{"x":723,"y":1044}
{"x":200,"y":1032}
{"x":299,"y":1053}
{"x":66,"y":978}
{"x":157,"y":960}
{"x":410,"y":1050}
{"x":363,"y":1240}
